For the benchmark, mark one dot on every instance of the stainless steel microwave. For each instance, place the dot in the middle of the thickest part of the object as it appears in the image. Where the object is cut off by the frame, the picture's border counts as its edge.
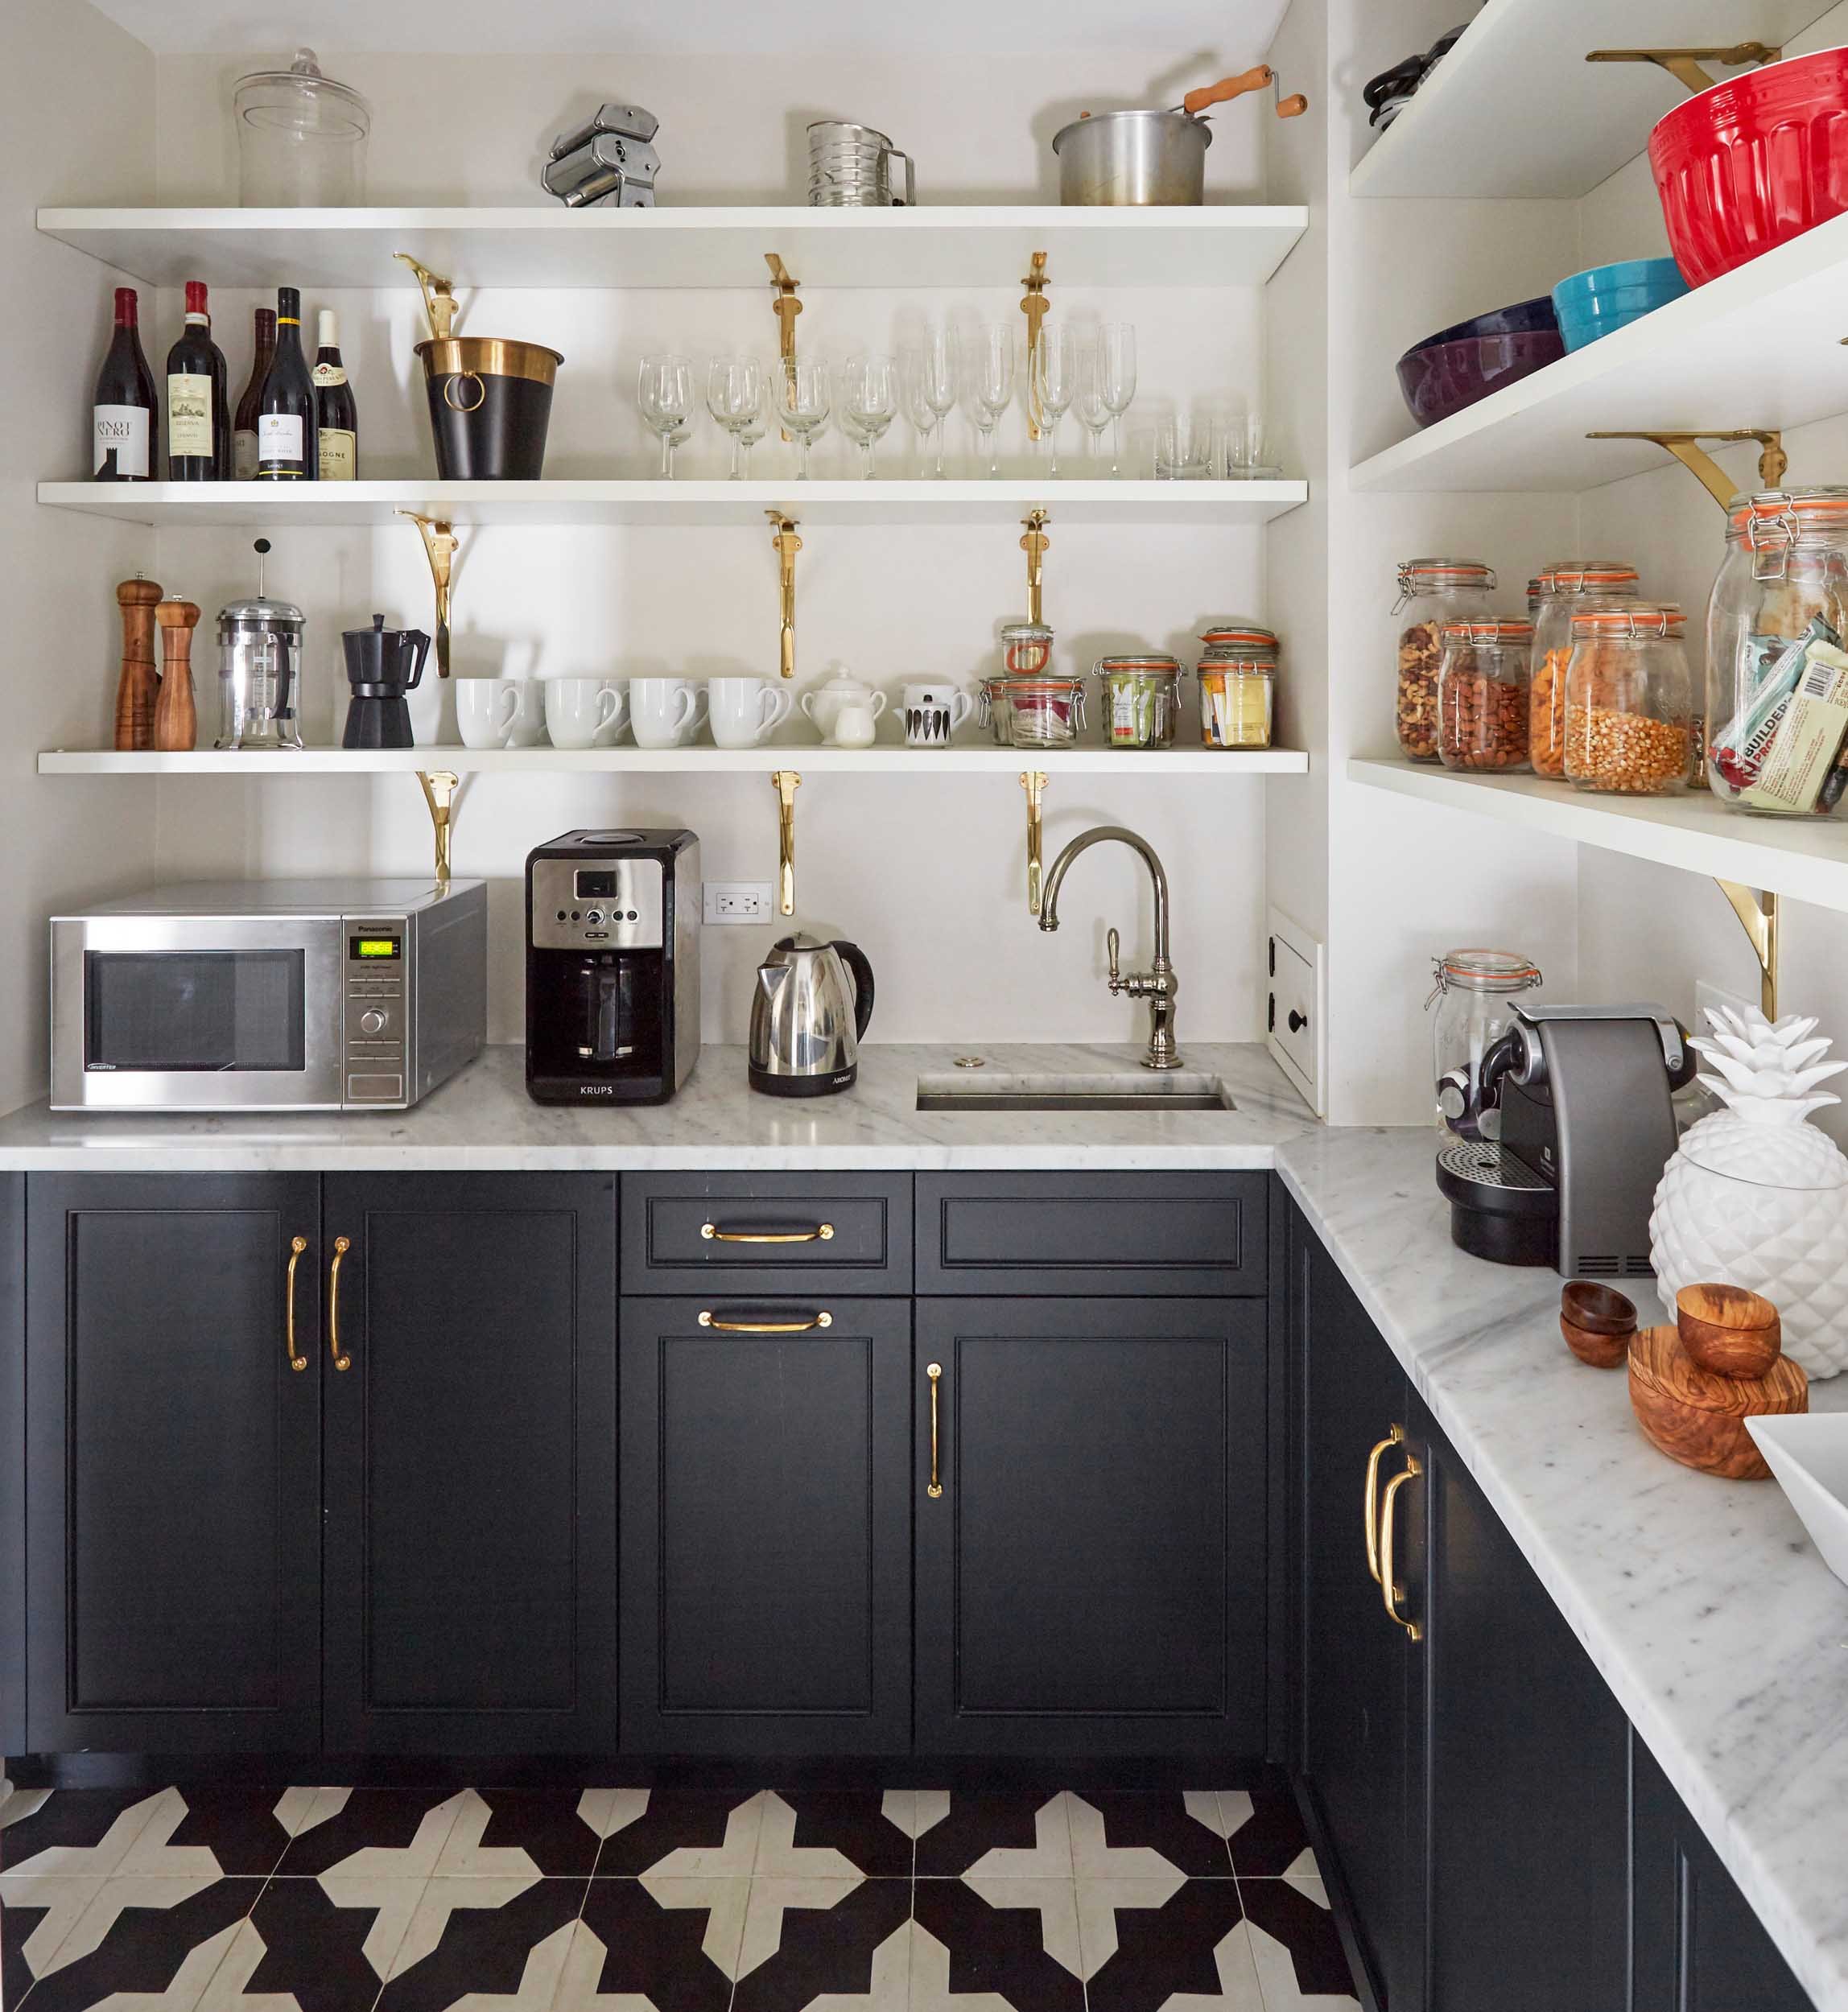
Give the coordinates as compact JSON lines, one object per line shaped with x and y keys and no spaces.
{"x":334,"y":994}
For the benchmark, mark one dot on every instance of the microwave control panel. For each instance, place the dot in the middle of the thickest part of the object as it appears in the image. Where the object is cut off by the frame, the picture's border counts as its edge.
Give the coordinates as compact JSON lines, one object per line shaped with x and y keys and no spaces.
{"x":373,"y":1064}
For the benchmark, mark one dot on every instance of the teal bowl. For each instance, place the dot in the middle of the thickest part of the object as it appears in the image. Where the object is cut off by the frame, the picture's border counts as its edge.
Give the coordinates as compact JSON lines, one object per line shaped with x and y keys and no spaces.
{"x":1594,"y":302}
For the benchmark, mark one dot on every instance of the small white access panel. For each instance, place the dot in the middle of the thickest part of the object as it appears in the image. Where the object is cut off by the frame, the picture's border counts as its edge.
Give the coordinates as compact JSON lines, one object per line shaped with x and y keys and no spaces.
{"x":1297,"y":1011}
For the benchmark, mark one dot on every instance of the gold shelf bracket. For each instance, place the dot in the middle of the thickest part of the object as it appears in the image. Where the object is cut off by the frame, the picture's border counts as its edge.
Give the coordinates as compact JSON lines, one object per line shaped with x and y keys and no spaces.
{"x":1684,"y":64}
{"x":1035,"y":544}
{"x":785,"y":782}
{"x":1034,"y":306}
{"x":1757,"y":911}
{"x":785,"y":307}
{"x":439,"y":547}
{"x":439,"y":788}
{"x":439,"y":298}
{"x":1772,"y":460}
{"x":1032,"y":781}
{"x":783,"y":537}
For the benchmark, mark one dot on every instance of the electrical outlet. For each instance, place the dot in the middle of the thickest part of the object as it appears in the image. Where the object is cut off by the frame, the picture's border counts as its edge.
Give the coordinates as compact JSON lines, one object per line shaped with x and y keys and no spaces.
{"x":1706,"y":996}
{"x":727,"y":901}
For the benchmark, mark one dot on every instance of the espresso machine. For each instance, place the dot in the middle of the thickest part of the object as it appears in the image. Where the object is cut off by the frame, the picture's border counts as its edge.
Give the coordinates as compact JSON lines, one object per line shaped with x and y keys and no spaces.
{"x":1561,"y":1135}
{"x":612,"y":967}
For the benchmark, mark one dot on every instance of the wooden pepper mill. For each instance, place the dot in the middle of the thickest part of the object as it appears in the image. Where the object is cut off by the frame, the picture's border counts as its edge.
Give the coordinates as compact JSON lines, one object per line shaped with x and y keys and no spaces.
{"x":139,"y":683}
{"x":176,"y":718}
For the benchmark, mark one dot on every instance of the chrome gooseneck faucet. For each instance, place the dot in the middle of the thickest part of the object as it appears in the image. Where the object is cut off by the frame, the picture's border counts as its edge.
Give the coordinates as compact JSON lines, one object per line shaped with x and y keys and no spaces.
{"x":1158,"y":985}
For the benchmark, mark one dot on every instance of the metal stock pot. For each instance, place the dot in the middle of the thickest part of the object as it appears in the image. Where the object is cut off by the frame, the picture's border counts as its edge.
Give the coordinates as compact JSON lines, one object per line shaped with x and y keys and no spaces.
{"x":1122,"y":158}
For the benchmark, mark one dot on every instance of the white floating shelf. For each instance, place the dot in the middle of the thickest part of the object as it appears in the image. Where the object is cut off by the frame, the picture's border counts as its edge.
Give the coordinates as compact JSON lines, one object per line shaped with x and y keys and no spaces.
{"x":675,"y":505}
{"x":1515,"y":109}
{"x":1760,"y":346}
{"x":810,"y":760}
{"x":1228,"y":245}
{"x":1804,"y":858}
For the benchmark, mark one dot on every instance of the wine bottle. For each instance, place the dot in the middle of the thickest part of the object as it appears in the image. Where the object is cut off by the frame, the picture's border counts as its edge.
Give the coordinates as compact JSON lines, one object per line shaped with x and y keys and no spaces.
{"x":198,"y":424}
{"x":336,"y":416}
{"x":244,"y":433}
{"x":125,"y":420}
{"x":285,"y":409}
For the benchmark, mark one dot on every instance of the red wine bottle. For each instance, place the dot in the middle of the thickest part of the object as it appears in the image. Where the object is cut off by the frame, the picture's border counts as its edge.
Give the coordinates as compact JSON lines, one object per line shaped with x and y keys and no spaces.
{"x":243,"y":432}
{"x":286,"y":408}
{"x":198,"y":423}
{"x":125,"y":418}
{"x":336,"y":416}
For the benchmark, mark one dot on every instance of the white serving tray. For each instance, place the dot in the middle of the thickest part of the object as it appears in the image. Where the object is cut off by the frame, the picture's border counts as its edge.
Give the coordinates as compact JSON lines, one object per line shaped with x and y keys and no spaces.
{"x":1809,"y":1454}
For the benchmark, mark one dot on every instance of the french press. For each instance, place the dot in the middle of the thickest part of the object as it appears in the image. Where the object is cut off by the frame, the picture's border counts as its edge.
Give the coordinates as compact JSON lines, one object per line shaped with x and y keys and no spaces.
{"x":260,"y":668}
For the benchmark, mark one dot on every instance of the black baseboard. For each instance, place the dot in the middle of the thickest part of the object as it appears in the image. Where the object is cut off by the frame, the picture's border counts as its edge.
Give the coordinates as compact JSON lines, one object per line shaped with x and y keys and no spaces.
{"x":1340,"y":1900}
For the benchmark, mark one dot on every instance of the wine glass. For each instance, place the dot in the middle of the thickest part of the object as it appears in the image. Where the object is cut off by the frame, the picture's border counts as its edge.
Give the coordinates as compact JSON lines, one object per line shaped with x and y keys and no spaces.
{"x":664,"y":392}
{"x":1116,"y":358}
{"x":916,"y":408}
{"x":802,"y":398}
{"x":734,"y":398}
{"x":987,"y":377}
{"x":1054,"y":385}
{"x":934,"y":389}
{"x":868,"y":401}
{"x":1091,"y":404}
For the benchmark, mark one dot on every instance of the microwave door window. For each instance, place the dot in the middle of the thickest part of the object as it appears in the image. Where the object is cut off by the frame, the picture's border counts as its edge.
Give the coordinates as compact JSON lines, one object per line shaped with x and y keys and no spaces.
{"x":199,"y":1011}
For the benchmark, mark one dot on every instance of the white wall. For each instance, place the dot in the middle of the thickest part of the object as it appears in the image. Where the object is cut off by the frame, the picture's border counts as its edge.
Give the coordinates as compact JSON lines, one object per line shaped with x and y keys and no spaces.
{"x":76,"y":125}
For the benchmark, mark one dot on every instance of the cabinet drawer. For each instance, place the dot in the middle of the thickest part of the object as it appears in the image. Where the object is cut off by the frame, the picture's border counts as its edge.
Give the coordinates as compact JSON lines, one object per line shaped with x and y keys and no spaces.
{"x":1192,"y":1234}
{"x":766,"y":1233}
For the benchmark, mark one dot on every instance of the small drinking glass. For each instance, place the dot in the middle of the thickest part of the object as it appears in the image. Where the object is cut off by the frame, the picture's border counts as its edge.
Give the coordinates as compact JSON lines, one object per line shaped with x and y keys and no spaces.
{"x":1186,"y":447}
{"x":1249,"y":455}
{"x":1091,"y":407}
{"x":664,"y":392}
{"x":801,"y":398}
{"x":987,"y":365}
{"x":735,"y":398}
{"x":1116,"y":380}
{"x":1055,"y":377}
{"x":868,"y":401}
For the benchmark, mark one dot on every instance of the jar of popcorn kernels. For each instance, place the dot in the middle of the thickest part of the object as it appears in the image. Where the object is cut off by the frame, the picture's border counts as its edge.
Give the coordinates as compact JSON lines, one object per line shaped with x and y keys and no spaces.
{"x":1629,"y":706}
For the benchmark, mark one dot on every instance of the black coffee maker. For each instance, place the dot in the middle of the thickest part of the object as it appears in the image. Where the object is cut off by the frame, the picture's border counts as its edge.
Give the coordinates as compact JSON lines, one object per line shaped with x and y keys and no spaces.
{"x":612,"y":967}
{"x":381,"y":665}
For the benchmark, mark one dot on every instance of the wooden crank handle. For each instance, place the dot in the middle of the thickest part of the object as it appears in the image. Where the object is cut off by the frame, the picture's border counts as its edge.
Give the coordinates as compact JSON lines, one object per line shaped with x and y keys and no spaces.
{"x":1292,"y":107}
{"x":1227,"y":87}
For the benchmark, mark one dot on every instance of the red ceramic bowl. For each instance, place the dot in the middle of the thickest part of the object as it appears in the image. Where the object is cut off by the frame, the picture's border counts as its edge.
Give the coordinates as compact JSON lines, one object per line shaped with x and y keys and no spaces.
{"x":1753,"y":162}
{"x":1449,"y":376}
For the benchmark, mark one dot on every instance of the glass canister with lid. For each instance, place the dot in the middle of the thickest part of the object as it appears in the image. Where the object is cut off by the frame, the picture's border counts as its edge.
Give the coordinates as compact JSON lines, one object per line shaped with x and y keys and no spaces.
{"x":1567,"y":587}
{"x":1481,"y":693}
{"x":1431,"y":593}
{"x":1629,"y":708}
{"x":1777,"y":677}
{"x":301,"y":138}
{"x":1237,"y":677}
{"x":1141,"y":699}
{"x":1472,"y":992}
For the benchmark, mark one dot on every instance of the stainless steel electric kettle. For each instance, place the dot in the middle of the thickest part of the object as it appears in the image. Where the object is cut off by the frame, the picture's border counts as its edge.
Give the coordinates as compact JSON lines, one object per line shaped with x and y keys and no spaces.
{"x":811,"y":1006}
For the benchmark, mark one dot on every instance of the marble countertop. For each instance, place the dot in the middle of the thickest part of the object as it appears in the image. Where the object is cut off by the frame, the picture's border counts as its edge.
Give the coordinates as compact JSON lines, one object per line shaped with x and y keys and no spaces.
{"x":1717,"y":1626}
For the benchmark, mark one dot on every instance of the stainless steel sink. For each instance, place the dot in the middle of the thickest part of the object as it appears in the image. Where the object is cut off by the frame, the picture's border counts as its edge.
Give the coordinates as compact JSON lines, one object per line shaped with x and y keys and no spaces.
{"x":1183,"y":1090}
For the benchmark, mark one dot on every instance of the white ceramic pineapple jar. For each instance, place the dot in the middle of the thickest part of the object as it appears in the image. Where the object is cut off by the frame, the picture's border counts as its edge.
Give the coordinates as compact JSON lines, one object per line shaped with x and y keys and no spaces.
{"x":1755,"y":1197}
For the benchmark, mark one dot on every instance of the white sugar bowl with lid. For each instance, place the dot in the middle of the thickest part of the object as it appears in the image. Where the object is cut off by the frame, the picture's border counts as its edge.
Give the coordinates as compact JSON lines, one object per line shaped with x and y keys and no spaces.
{"x":822,"y":702}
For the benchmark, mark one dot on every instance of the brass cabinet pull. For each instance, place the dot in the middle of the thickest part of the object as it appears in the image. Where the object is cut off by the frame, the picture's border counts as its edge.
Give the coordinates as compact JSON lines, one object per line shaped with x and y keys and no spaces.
{"x":935,"y":1373}
{"x":1395,"y":1437}
{"x":1390,"y":1591}
{"x":709,"y":1319}
{"x":297,"y":1245}
{"x":822,"y":1233}
{"x":342,"y":1361}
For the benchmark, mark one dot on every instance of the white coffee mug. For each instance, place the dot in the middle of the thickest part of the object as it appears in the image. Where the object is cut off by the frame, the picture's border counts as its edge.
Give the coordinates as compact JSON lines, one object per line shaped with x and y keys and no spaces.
{"x":853,"y":724}
{"x":499,"y":712}
{"x":578,"y":709}
{"x":745,"y":711}
{"x":933,"y":713}
{"x":665,"y":712}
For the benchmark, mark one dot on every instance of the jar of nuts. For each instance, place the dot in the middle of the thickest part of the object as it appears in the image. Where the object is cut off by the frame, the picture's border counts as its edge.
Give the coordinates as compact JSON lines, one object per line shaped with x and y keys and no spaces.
{"x":1568,"y":587}
{"x":1481,"y":693}
{"x":1432,"y":591}
{"x":1629,"y":708}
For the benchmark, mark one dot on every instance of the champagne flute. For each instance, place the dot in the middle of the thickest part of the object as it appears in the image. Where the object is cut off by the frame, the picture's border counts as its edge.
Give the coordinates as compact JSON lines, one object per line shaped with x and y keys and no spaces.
{"x":1091,"y":407}
{"x":937,"y":384}
{"x":916,"y":407}
{"x":664,"y":392}
{"x":1056,"y":369}
{"x":734,"y":398}
{"x":868,"y":401}
{"x":801,"y":398}
{"x":988,"y":374}
{"x":1116,"y":377}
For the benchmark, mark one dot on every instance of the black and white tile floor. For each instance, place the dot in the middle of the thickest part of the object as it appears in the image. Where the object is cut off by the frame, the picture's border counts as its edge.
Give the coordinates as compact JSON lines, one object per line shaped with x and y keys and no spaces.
{"x":633,"y":1900}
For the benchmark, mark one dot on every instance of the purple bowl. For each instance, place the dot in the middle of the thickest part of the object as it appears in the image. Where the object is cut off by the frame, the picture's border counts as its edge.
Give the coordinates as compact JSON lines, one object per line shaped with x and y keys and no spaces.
{"x":1519,"y":319}
{"x":1444,"y":379}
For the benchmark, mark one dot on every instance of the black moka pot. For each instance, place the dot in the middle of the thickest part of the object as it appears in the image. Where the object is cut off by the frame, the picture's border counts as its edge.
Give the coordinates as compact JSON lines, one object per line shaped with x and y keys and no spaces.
{"x":381,"y":664}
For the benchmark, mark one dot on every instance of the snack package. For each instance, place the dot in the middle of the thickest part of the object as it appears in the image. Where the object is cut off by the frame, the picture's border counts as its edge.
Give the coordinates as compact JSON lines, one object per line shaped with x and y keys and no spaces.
{"x":1799,"y":756}
{"x":1738,"y":749}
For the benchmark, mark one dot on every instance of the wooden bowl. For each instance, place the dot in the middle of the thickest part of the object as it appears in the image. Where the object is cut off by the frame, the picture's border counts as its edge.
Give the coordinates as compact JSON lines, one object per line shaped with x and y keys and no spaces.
{"x":1597,"y":1323}
{"x":1698,"y":1418}
{"x":1728,"y":1330}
